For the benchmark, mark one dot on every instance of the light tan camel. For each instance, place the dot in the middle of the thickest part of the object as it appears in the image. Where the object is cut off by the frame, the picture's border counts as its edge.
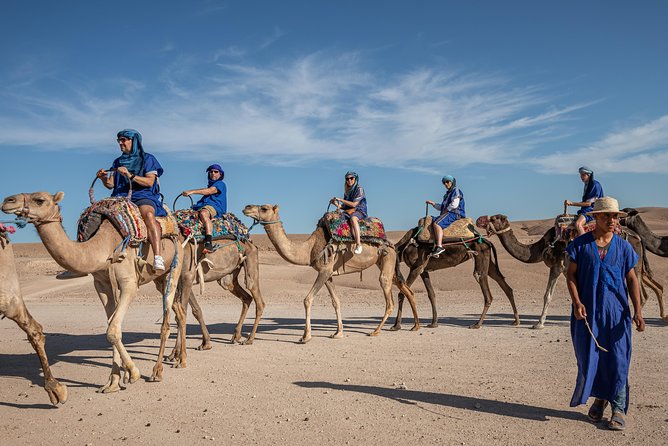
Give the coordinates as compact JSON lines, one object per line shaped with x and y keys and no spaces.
{"x":116,"y":278}
{"x":13,"y":307}
{"x":316,"y":253}
{"x":553,"y":254}
{"x":224,"y":266}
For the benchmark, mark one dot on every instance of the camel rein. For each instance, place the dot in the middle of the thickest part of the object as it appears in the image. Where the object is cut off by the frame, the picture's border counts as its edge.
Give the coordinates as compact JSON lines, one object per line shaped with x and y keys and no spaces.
{"x":25,"y":215}
{"x":262,"y":222}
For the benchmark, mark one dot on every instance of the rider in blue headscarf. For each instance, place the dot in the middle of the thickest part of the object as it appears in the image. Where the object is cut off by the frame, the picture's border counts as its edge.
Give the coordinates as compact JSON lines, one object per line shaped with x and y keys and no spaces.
{"x":139,"y":170}
{"x":452,"y":208}
{"x":592,"y":191}
{"x":353,"y":206}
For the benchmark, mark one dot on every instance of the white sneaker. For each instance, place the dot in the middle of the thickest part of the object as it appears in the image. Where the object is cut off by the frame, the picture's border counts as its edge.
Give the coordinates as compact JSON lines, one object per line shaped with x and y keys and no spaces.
{"x":158,"y":263}
{"x":358,"y":249}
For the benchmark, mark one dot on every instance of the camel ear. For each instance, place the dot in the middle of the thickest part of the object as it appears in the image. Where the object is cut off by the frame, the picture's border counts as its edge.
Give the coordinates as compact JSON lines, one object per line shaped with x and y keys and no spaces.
{"x":58,"y":197}
{"x":275,"y":208}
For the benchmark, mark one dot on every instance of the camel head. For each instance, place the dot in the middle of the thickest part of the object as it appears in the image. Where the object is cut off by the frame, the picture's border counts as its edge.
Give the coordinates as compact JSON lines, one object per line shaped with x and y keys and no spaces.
{"x":35,"y":207}
{"x":262,"y":213}
{"x":494,"y":224}
{"x":630,"y":214}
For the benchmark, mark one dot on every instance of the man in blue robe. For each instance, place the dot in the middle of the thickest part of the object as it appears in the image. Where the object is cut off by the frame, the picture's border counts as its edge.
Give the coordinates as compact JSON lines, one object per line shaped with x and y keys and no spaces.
{"x":600,"y":275}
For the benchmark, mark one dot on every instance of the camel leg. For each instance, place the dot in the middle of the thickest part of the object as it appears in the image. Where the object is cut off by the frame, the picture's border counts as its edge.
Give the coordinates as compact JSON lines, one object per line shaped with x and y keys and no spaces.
{"x":252,"y":275}
{"x":658,"y":290}
{"x":412,"y":276}
{"x":164,"y":328}
{"x":426,"y":279}
{"x":386,"y":278}
{"x":322,"y":278}
{"x":115,"y":311}
{"x":199,"y":315}
{"x":480,"y":275}
{"x":57,"y":392}
{"x":406,"y":290}
{"x":495,"y":274}
{"x":336,"y":303}
{"x":555,"y":272}
{"x":231,"y":284}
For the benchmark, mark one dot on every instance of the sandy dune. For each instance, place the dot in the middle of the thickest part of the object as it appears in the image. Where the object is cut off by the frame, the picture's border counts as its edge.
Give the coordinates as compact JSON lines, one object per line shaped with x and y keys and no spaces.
{"x":446,"y":385}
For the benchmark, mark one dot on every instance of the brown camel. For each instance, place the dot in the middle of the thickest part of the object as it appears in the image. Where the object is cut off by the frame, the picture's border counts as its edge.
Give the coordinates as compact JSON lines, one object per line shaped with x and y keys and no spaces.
{"x":224,"y":266}
{"x":13,"y":307}
{"x":417,"y":255}
{"x":654,"y":243}
{"x":116,"y":277}
{"x":329,"y":260}
{"x":553,"y":254}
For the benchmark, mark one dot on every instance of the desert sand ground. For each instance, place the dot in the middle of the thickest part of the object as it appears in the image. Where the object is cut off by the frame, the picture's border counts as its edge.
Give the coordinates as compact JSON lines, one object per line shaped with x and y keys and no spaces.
{"x":446,"y":385}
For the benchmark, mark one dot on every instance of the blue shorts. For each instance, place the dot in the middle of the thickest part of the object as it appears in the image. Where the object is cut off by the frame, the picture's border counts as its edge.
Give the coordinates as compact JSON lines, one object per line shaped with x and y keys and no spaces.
{"x":346,"y":216}
{"x":587,"y":217}
{"x":147,"y":202}
{"x":446,"y":220}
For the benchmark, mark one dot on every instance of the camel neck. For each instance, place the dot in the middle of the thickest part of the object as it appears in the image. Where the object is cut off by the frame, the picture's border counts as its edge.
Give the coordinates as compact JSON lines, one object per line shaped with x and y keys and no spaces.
{"x":532,"y":253}
{"x":85,"y":257}
{"x":298,"y":253}
{"x":654,"y":243}
{"x":9,"y":279}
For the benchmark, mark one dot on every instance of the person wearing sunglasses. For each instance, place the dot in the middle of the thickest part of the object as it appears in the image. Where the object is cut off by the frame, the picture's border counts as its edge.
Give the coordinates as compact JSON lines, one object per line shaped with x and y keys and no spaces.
{"x":353,"y":206}
{"x":452,"y":208}
{"x":212,"y":204}
{"x":599,"y":277}
{"x":142,"y":170}
{"x":592,"y":191}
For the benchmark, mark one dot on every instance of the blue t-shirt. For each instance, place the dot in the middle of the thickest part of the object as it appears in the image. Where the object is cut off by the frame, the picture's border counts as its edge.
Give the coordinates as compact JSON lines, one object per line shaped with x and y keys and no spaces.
{"x":218,"y":201}
{"x":152,"y":193}
{"x":596,"y":191}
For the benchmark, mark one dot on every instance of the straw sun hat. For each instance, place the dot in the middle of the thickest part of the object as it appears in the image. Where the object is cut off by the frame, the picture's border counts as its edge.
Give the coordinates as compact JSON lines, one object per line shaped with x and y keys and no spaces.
{"x":607,"y":205}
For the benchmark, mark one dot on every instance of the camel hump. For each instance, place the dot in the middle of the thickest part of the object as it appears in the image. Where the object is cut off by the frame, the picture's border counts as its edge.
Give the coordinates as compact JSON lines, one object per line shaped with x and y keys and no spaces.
{"x":226,"y":226}
{"x":337,"y":228}
{"x":123,"y":214}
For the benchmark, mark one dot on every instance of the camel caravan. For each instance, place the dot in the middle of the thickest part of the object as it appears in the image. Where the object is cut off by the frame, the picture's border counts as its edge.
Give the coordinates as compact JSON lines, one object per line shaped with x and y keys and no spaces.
{"x":132,"y":238}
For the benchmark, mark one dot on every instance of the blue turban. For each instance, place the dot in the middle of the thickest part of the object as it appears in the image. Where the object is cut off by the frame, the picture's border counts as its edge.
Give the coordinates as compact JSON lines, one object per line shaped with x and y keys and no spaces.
{"x":449,"y":178}
{"x":133,"y":161}
{"x":585,"y":169}
{"x":352,"y":192}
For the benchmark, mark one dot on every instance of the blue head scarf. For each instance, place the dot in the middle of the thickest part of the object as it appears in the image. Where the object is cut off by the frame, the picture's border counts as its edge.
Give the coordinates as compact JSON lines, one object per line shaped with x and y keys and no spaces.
{"x":351,"y":193}
{"x":214,"y":167}
{"x":589,"y":185}
{"x":133,"y":161}
{"x":451,"y":190}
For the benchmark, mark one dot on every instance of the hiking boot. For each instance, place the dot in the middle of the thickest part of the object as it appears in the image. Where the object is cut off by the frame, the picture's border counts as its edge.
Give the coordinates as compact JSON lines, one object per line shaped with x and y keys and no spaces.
{"x":158,"y":263}
{"x":358,"y":249}
{"x":208,"y":246}
{"x":438,"y":250}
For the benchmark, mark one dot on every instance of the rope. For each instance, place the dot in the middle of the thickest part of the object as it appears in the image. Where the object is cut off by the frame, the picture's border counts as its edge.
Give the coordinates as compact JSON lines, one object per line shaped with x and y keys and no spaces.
{"x":19,"y":222}
{"x":91,"y":190}
{"x":192,"y":202}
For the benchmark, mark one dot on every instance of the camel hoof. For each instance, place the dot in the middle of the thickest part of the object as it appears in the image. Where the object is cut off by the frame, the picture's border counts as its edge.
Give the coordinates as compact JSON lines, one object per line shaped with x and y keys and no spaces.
{"x":537,"y":326}
{"x":415,"y":327}
{"x":110,"y":388}
{"x":337,"y":335}
{"x":205,"y":346}
{"x":373,"y":333}
{"x":171,"y":358}
{"x":395,"y":328}
{"x":475,"y":326}
{"x":433,"y":325}
{"x":180,"y":365}
{"x":248,"y":341}
{"x":235,"y":340}
{"x":516,"y":323}
{"x":57,"y":392}
{"x":665,"y":319}
{"x":304,"y":339}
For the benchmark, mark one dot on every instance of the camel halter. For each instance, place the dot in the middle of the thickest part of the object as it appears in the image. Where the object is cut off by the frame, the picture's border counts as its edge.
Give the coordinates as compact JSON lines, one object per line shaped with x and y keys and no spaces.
{"x":24,"y":213}
{"x":491,"y":230}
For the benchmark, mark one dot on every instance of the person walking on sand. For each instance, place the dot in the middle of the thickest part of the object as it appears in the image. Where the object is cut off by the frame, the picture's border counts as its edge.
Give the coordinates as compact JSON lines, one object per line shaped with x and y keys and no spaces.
{"x":599,"y":276}
{"x":142,"y":170}
{"x":592,"y":191}
{"x":212,"y":204}
{"x":452,"y":208}
{"x":353,"y":206}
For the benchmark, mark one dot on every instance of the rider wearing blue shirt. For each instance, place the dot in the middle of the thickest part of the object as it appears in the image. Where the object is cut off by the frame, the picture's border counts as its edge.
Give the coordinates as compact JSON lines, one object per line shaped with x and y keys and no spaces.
{"x":213,"y":203}
{"x":592,"y":191}
{"x":452,"y":208}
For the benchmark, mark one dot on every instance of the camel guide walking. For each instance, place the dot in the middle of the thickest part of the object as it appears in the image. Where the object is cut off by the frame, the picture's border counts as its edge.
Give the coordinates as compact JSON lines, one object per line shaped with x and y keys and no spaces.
{"x":592,"y":191}
{"x":452,"y":208}
{"x":142,"y":170}
{"x":599,"y":276}
{"x":213,"y":203}
{"x":353,"y":206}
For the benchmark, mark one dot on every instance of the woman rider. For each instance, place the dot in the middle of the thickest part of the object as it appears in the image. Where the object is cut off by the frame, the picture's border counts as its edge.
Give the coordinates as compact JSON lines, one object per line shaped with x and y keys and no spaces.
{"x":142,"y":170}
{"x":353,"y":205}
{"x":452,"y":208}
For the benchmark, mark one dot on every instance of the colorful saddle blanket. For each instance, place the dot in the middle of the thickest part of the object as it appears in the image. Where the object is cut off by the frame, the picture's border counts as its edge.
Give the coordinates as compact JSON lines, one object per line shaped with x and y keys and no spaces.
{"x":228,"y":226}
{"x":565,"y":228}
{"x":338,"y":228}
{"x":459,"y":229}
{"x":125,"y":217}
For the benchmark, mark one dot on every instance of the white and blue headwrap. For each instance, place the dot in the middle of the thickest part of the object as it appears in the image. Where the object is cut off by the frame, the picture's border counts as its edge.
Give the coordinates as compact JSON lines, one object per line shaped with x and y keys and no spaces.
{"x":351,"y":194}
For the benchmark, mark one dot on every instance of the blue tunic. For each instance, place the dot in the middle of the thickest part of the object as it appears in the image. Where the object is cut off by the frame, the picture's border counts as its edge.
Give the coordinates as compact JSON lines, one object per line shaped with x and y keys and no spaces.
{"x":596,"y":191}
{"x":359,"y":198}
{"x":218,"y":201}
{"x":152,"y":193}
{"x":448,"y":216}
{"x":602,"y":288}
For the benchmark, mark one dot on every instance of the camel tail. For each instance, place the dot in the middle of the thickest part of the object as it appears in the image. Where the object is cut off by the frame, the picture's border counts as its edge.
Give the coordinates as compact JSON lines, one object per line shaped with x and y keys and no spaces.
{"x":496,"y":259}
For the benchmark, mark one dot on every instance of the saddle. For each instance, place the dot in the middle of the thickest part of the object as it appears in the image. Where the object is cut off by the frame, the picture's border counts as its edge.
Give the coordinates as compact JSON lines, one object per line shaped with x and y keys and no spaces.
{"x":338,"y":229}
{"x":125,"y":217}
{"x":462,"y":228}
{"x":564,"y":226}
{"x":225,"y":227}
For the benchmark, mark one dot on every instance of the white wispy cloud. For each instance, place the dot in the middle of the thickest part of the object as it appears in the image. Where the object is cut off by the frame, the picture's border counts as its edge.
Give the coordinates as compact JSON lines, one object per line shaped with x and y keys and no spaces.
{"x":317,"y":107}
{"x":642,"y":148}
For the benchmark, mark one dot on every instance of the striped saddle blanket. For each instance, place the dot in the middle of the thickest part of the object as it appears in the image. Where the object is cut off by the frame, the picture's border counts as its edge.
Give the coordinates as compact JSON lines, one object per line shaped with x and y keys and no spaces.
{"x":227,"y":226}
{"x":338,"y":228}
{"x":567,"y":232}
{"x":125,"y":217}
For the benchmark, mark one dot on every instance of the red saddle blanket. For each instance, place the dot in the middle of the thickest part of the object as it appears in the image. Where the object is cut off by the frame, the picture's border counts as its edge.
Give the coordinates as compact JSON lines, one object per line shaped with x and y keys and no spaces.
{"x":338,"y":228}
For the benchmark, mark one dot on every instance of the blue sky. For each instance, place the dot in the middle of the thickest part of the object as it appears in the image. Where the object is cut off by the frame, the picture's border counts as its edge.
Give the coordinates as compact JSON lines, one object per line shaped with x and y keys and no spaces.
{"x":509,"y":97}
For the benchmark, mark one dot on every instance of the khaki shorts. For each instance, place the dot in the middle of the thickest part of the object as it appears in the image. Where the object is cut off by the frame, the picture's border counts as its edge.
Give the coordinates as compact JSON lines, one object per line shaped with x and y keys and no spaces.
{"x":211,"y":210}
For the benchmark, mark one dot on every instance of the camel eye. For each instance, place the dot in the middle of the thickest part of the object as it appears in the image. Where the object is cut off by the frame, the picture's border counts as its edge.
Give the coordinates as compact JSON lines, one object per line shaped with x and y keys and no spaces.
{"x":39,"y":201}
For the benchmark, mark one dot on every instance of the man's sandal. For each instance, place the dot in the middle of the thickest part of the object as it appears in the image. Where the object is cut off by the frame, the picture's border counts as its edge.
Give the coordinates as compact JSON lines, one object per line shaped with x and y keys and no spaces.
{"x":596,"y":410}
{"x":617,"y":422}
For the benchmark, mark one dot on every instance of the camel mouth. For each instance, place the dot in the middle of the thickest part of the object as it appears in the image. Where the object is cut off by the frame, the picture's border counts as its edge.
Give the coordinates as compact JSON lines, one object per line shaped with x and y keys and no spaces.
{"x":11,"y":205}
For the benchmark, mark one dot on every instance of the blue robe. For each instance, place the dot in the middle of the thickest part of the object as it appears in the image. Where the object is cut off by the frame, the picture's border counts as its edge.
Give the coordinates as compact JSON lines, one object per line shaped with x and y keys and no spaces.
{"x":152,"y":193}
{"x":602,"y":288}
